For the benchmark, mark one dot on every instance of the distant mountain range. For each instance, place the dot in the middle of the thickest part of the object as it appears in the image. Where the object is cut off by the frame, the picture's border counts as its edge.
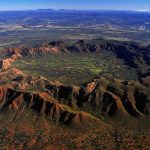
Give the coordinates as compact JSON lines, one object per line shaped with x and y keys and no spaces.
{"x":79,"y":10}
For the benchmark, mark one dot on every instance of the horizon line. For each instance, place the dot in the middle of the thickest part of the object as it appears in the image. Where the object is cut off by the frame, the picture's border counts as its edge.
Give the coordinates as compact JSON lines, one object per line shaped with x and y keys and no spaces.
{"x":62,"y":9}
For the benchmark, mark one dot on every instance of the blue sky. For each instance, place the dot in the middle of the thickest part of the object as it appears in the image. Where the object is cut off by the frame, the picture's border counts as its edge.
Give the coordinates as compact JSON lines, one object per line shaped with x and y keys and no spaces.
{"x":75,"y":4}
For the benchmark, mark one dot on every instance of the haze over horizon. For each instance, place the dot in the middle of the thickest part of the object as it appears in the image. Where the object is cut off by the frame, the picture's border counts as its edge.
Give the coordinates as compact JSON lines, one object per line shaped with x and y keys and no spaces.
{"x":78,"y":5}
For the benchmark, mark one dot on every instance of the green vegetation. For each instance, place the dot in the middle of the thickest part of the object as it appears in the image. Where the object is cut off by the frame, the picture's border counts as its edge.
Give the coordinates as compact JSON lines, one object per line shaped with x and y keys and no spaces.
{"x":70,"y":68}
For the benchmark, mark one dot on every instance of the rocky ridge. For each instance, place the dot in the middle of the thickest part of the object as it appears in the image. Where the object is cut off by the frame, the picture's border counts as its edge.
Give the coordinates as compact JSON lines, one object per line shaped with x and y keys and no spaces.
{"x":102,"y":96}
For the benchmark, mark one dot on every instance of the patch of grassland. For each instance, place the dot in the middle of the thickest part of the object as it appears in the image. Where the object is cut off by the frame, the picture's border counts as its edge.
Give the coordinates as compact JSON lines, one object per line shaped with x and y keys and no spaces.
{"x":70,"y":68}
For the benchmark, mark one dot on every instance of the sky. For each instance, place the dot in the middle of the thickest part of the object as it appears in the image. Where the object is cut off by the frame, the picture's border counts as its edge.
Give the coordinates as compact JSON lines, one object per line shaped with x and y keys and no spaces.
{"x":75,"y":4}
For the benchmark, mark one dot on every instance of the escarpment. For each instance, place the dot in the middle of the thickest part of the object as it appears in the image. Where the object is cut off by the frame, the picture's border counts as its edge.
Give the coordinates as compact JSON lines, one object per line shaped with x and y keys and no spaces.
{"x":102,"y":96}
{"x":107,"y":99}
{"x":19,"y":102}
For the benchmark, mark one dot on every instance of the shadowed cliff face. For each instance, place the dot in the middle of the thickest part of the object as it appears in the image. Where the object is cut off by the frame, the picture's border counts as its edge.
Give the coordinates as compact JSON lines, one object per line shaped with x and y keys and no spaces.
{"x":111,"y":99}
{"x":20,"y":103}
{"x":132,"y":53}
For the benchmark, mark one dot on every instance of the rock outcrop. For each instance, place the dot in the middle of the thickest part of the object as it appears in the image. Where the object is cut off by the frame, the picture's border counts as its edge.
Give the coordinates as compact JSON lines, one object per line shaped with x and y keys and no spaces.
{"x":6,"y":63}
{"x":41,"y":103}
